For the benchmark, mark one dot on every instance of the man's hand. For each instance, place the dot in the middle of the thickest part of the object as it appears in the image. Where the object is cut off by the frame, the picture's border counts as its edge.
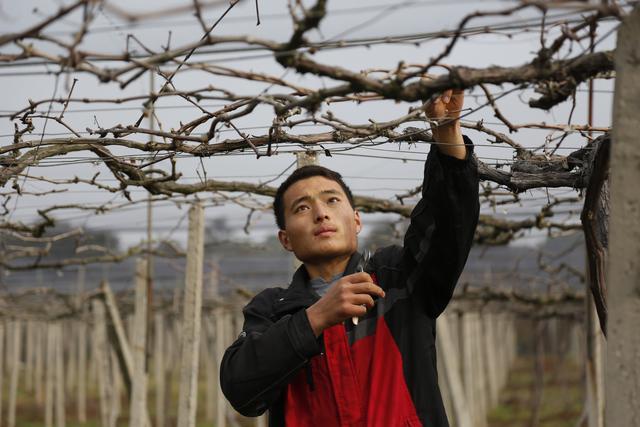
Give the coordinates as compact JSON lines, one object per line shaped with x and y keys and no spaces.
{"x":445,"y":110}
{"x":351,"y":296}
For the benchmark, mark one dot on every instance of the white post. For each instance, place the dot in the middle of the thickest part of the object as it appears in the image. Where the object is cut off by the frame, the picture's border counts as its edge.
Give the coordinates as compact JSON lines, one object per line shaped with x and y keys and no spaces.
{"x":81,"y":329}
{"x":306,"y":158}
{"x":69,"y":342}
{"x":118,"y":328}
{"x":59,"y":375}
{"x":2,"y":370}
{"x":41,"y":332}
{"x":100,"y":353}
{"x":49,"y":389}
{"x":220,"y":347}
{"x":594,"y":363}
{"x":15,"y":369}
{"x":82,"y":371}
{"x":490,"y":351}
{"x":479,"y":391}
{"x":116,"y":377}
{"x":468,"y":374}
{"x":211,"y":369}
{"x":138,"y":406}
{"x":187,"y":401}
{"x":159,"y":368}
{"x":451,"y":374}
{"x":28,"y":365}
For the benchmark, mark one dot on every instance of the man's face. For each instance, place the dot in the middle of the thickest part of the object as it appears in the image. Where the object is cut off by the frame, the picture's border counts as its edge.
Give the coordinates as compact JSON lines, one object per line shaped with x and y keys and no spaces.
{"x":320,"y":223}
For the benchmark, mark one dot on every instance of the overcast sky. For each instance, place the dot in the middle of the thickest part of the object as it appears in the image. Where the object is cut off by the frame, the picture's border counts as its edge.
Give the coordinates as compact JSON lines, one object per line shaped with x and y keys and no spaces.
{"x":366,"y":173}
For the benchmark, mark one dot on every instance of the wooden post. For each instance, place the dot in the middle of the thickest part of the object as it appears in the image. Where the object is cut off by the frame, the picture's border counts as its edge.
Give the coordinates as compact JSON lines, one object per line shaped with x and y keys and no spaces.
{"x":210,"y":369}
{"x":594,"y":364}
{"x":92,"y":369}
{"x":128,"y":323}
{"x":81,"y":329}
{"x":40,"y":349}
{"x":479,"y":372}
{"x":59,"y":376}
{"x":50,"y":377}
{"x":2,"y":370}
{"x":576,"y":350}
{"x":28,"y":367}
{"x":172,"y":356}
{"x":450,"y":374}
{"x":467,"y":348}
{"x":220,"y":347}
{"x":506,"y":347}
{"x":69,"y":341}
{"x":216,"y":407}
{"x":262,"y":420}
{"x":501,"y":360}
{"x":491,"y":366}
{"x":16,"y":334}
{"x":138,"y":406}
{"x":159,"y":369}
{"x":203,"y":357}
{"x":306,"y":158}
{"x":100,"y":352}
{"x":623,"y":275}
{"x":187,"y":401}
{"x":116,"y":376}
{"x":82,"y":371}
{"x":511,"y":340}
{"x":120,"y":342}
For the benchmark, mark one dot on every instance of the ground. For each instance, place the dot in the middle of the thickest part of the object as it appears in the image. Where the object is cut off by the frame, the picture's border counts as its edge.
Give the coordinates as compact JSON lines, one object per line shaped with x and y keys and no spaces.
{"x":562,"y":398}
{"x":561,"y":404}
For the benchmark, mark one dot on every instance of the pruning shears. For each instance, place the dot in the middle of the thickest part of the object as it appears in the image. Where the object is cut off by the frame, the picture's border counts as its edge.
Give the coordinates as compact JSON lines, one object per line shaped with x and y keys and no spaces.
{"x":360,"y":268}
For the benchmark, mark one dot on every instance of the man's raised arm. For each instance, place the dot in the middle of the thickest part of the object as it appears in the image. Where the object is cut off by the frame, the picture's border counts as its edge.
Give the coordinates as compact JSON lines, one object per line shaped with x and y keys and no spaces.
{"x":443,"y":223}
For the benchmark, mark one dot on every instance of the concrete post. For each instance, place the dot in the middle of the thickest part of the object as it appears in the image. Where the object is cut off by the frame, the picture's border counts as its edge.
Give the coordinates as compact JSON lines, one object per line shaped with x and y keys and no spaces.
{"x":623,"y":276}
{"x":138,"y":407}
{"x":187,"y":401}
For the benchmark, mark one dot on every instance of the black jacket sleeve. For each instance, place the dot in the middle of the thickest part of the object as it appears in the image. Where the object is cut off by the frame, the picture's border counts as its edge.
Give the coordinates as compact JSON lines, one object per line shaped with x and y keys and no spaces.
{"x":257,"y":366}
{"x":442,"y":226}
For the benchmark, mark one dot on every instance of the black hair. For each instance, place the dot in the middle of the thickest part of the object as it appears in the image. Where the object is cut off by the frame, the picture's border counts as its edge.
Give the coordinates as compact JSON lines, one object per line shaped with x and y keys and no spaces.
{"x":300,"y":174}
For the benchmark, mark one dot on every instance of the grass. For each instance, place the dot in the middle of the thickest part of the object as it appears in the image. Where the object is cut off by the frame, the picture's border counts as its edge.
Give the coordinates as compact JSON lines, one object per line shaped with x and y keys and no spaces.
{"x":562,"y":398}
{"x":31,"y":414}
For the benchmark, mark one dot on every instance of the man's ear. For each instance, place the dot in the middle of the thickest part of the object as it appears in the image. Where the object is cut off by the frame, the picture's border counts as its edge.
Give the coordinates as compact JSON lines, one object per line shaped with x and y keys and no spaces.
{"x":358,"y":221}
{"x":284,"y":240}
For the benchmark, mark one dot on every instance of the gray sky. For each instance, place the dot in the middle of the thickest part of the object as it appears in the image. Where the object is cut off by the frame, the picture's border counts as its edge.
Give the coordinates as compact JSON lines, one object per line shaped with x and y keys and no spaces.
{"x":355,"y":19}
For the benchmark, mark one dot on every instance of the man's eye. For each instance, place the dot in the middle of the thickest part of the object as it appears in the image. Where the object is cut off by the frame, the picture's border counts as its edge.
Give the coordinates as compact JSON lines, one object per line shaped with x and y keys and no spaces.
{"x":301,"y":208}
{"x":334,"y":200}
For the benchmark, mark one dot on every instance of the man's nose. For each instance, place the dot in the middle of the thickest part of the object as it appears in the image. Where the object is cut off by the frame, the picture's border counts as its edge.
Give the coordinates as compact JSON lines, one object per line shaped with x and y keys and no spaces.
{"x":320,"y":212}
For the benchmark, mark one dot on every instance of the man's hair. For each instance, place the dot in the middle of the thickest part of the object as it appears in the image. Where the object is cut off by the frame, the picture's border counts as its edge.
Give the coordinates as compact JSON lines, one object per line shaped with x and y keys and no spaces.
{"x":300,"y":174}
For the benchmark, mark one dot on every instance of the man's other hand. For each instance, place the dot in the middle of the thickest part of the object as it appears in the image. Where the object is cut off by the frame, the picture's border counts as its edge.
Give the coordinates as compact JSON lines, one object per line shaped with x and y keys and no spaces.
{"x":351,"y":296}
{"x":444,"y":113}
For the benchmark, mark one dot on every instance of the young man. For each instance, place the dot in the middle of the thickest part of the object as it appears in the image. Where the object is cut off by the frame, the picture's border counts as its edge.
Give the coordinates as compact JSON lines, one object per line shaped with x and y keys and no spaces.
{"x":303,"y":356}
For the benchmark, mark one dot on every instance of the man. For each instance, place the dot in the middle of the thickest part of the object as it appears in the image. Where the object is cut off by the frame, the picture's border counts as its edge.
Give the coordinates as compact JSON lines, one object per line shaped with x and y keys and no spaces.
{"x":303,"y":355}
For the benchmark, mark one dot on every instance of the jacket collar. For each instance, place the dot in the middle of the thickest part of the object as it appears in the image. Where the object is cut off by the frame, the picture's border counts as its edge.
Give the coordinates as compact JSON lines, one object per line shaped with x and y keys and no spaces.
{"x":299,"y":295}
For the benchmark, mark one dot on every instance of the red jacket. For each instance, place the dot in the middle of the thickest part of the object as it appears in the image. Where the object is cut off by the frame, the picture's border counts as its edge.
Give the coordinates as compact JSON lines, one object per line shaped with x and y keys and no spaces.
{"x":381,"y":372}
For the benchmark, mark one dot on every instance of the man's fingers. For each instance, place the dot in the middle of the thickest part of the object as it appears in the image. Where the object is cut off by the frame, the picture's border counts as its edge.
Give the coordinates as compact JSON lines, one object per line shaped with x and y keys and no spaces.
{"x":457,"y":100}
{"x":361,"y":283}
{"x":358,"y":277}
{"x":363,"y":299}
{"x":367,"y":288}
{"x":446,"y":96}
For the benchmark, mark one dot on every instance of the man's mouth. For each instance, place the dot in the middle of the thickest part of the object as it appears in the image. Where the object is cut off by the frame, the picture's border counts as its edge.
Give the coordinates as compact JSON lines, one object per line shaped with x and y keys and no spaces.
{"x":324,"y":231}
